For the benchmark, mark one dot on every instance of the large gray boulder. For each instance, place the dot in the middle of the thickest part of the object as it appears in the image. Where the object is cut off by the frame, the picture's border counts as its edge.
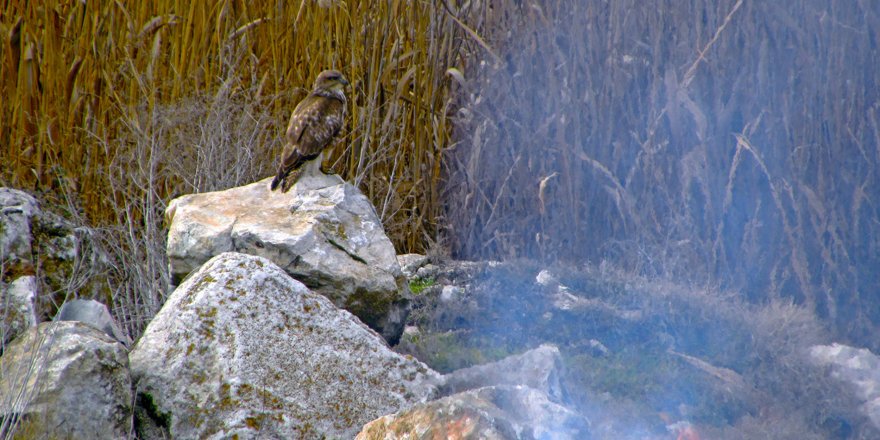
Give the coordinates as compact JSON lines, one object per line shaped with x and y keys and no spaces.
{"x":66,"y":380}
{"x":324,"y":232}
{"x":17,"y":307}
{"x":501,"y":412}
{"x":242,"y":350}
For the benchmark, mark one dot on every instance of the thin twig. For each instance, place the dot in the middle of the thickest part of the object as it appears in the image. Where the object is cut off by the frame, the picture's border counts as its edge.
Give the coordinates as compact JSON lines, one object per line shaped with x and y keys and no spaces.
{"x":689,"y":75}
{"x":473,"y":33}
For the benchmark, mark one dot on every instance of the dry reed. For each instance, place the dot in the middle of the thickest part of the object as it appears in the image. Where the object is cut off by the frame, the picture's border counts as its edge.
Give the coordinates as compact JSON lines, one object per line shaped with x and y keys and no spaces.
{"x":76,"y":73}
{"x":124,"y":106}
{"x":584,"y":131}
{"x":727,"y":143}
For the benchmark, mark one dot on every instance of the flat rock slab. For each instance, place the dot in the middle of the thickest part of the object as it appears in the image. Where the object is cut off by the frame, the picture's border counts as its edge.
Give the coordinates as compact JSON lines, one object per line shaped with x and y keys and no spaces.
{"x":95,"y":314}
{"x":242,"y":349}
{"x":539,"y":368}
{"x":324,"y":232}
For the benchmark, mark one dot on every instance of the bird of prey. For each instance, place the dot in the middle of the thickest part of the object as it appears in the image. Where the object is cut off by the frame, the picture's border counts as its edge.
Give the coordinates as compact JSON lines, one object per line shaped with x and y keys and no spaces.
{"x":313,"y":124}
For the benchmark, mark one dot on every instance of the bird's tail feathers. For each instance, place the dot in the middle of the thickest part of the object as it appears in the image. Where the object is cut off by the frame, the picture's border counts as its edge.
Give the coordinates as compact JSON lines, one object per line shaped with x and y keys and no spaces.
{"x":290,"y":171}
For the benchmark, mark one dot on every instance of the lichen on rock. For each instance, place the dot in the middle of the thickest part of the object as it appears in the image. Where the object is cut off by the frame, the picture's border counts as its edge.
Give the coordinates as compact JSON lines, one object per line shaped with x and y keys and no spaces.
{"x":66,"y":380}
{"x":38,"y":242}
{"x":241,"y":349}
{"x":324,"y":232}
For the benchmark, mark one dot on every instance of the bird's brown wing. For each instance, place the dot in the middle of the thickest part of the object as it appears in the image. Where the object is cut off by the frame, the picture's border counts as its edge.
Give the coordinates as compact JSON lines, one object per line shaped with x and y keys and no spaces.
{"x":313,"y":124}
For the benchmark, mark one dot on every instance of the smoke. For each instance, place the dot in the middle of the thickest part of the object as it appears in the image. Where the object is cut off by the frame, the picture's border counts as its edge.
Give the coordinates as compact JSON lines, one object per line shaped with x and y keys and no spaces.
{"x":639,"y":358}
{"x":716,"y":143}
{"x":725,"y":144}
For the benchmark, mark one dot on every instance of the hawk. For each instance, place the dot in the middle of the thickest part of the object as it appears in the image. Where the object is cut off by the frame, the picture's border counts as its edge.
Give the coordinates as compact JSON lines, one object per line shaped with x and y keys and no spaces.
{"x":313,"y":124}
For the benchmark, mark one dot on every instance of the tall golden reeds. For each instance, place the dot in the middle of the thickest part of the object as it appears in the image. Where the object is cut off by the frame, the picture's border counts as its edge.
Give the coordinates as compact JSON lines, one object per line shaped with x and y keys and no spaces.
{"x":76,"y":74}
{"x":114,"y":108}
{"x":724,"y":142}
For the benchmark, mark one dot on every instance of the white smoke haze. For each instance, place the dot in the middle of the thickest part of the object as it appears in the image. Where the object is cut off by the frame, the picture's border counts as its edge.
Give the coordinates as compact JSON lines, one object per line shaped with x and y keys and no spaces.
{"x":642,"y":358}
{"x":726,"y":146}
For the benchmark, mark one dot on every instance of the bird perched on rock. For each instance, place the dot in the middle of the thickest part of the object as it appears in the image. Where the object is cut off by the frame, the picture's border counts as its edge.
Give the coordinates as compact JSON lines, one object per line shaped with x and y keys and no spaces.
{"x":313,"y":124}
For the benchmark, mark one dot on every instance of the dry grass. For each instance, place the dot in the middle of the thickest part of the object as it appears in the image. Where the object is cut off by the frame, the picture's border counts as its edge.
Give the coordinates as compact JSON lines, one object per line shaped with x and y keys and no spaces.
{"x":111,"y":109}
{"x":78,"y":74}
{"x":115,"y":108}
{"x":730,"y":143}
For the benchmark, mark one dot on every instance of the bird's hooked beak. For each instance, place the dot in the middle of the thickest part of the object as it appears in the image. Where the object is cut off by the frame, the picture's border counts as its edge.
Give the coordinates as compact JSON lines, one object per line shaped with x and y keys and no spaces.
{"x":341,"y":82}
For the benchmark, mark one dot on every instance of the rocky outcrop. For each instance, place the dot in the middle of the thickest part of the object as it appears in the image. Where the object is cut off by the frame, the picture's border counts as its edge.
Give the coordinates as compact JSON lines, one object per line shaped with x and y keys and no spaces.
{"x":859,"y":368}
{"x":242,"y":350}
{"x":502,"y":412}
{"x":709,"y":364}
{"x":410,"y":263}
{"x":324,"y":232}
{"x":37,"y":242}
{"x":16,"y":232}
{"x":66,"y":380}
{"x":17,"y":307}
